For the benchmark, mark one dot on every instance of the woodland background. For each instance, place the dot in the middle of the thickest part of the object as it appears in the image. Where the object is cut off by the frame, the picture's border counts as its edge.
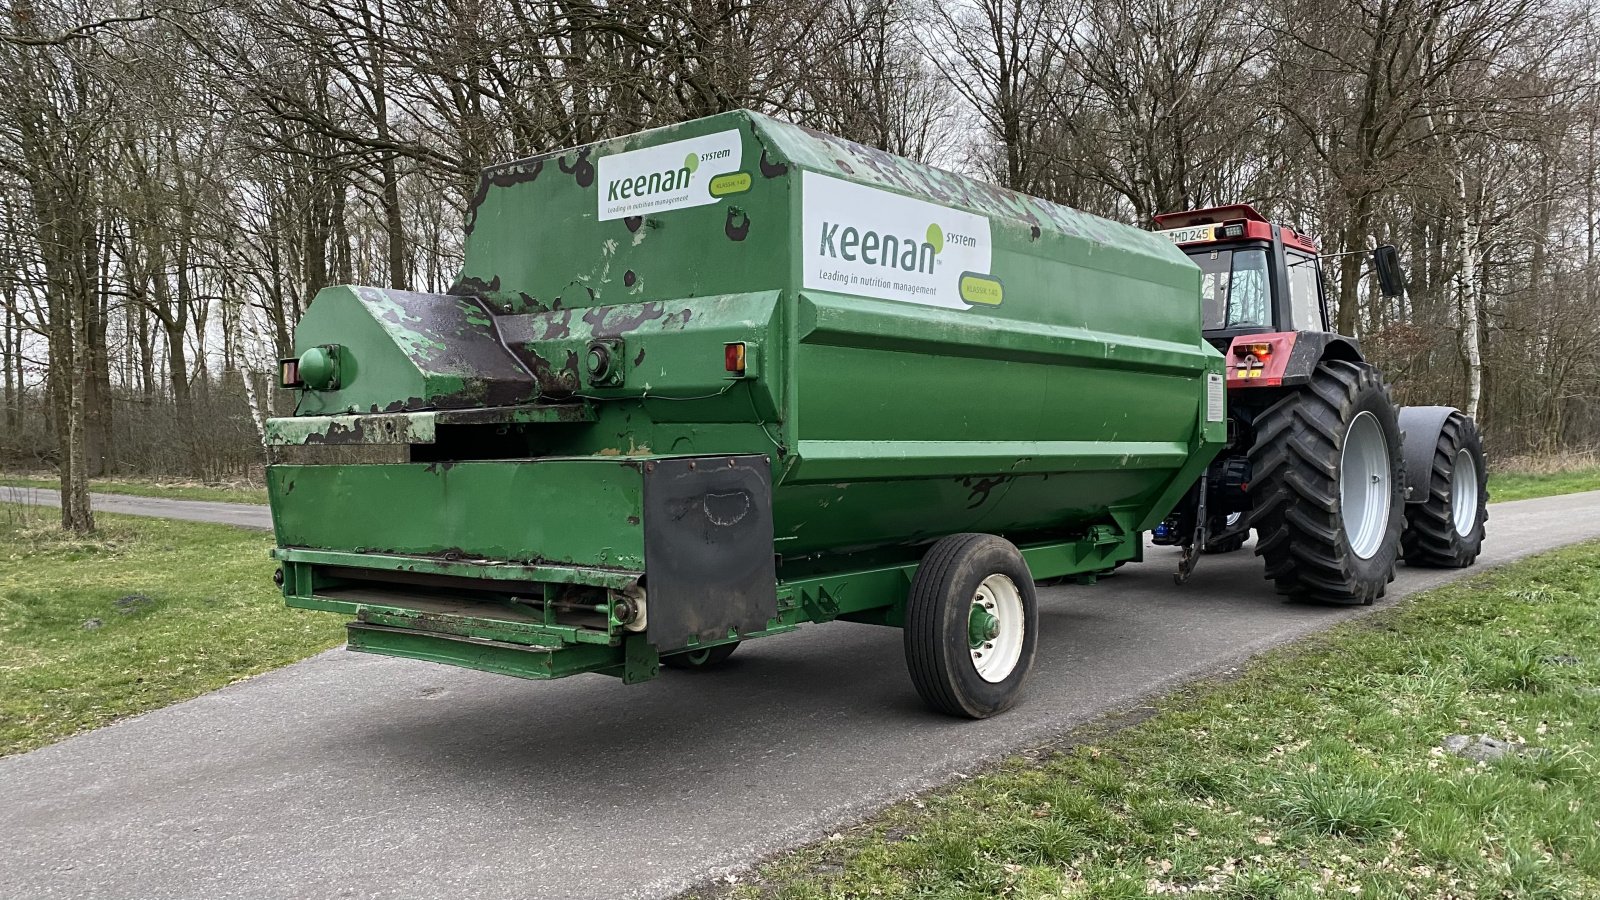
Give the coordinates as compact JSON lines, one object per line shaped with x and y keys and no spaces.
{"x":177,"y":181}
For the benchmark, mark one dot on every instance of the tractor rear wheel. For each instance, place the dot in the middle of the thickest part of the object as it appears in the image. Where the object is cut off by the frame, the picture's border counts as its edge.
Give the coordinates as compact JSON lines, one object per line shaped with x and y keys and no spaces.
{"x":700,"y":660}
{"x":972,"y":621}
{"x":1445,"y":530}
{"x":1327,"y":486}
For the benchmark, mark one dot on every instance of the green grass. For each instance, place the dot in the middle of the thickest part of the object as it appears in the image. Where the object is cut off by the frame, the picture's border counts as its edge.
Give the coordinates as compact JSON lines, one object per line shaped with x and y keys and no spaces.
{"x":1317,"y":773}
{"x":182,"y":608}
{"x":1526,"y":485}
{"x":145,"y":487}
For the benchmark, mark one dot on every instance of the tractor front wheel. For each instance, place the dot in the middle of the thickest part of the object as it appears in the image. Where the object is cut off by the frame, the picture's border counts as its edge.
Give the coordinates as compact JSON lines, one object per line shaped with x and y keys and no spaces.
{"x":1445,"y":530}
{"x":972,"y":621}
{"x":1327,"y":486}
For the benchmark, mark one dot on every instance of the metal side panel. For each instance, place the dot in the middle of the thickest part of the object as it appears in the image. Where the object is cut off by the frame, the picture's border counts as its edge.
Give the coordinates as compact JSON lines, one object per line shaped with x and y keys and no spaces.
{"x":708,"y":554}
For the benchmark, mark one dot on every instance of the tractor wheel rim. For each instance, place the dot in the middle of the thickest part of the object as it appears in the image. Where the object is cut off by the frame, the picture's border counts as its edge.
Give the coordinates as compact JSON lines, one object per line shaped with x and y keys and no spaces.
{"x":996,"y":658}
{"x":1464,"y":492}
{"x":1364,"y":485}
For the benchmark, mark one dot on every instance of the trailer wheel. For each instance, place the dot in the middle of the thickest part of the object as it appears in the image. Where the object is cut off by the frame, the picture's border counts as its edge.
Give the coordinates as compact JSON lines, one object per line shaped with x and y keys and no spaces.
{"x":700,"y":660}
{"x":1328,"y":491}
{"x":1446,"y":530}
{"x":972,"y":621}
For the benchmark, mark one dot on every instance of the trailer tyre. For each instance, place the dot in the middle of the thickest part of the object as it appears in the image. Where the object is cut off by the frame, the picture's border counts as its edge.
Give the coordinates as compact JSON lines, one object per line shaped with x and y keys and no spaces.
{"x":972,"y":621}
{"x":1446,"y":530}
{"x":700,"y":660}
{"x":1328,"y":486}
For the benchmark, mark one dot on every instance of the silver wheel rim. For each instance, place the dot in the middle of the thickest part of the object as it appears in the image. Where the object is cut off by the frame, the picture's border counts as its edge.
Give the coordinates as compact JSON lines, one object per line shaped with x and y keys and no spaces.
{"x":996,"y":658}
{"x":1364,"y":485}
{"x":1464,"y":492}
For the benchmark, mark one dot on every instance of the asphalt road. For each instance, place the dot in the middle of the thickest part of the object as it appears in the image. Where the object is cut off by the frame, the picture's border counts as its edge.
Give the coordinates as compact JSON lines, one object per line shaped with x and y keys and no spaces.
{"x":358,"y":776}
{"x":242,"y":515}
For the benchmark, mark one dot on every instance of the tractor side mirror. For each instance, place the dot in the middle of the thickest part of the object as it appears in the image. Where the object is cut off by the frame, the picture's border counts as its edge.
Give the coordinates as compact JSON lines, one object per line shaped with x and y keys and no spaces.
{"x":1391,"y":279}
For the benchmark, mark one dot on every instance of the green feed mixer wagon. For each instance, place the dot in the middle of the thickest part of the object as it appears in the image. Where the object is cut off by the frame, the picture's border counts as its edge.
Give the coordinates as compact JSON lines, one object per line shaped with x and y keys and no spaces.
{"x":708,"y":383}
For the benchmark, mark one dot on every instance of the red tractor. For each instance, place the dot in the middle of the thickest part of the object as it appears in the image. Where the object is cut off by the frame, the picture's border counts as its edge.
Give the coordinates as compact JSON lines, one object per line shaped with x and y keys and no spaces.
{"x":1337,"y":481}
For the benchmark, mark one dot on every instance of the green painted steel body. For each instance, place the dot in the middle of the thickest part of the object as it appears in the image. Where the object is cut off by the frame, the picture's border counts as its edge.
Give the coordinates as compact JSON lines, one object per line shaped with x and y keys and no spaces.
{"x":1010,"y":366}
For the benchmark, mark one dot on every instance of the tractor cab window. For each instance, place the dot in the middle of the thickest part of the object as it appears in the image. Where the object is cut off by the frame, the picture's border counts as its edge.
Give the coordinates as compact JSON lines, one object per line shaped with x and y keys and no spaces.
{"x":1234,"y":289}
{"x":1305,"y":293}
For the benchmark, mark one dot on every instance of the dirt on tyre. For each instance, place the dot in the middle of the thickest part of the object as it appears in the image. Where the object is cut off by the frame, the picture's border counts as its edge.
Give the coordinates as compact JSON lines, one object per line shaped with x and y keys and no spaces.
{"x":700,"y":660}
{"x":1445,"y":531}
{"x":1327,"y":486}
{"x":972,"y":622}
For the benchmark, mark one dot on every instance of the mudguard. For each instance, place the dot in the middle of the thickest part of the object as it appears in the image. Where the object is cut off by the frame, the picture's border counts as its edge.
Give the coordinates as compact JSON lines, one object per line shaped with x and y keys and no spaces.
{"x":1419,"y":435}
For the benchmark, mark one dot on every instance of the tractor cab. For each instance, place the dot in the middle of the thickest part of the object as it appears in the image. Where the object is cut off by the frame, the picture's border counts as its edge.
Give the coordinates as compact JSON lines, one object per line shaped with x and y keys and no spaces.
{"x":1257,"y":278}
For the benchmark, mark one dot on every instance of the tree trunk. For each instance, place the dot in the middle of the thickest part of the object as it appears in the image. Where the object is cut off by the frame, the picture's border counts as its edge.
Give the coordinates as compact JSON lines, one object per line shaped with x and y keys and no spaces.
{"x":1356,"y":231}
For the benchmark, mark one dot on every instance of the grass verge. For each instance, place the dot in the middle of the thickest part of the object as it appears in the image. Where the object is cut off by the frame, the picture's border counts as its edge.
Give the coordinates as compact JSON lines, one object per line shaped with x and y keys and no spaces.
{"x":142,"y":614}
{"x":1318,"y":773}
{"x":1527,"y":485}
{"x":148,"y":487}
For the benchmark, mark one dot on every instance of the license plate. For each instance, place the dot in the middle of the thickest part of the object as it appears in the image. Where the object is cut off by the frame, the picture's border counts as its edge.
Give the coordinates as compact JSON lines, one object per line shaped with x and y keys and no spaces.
{"x":1191,"y":234}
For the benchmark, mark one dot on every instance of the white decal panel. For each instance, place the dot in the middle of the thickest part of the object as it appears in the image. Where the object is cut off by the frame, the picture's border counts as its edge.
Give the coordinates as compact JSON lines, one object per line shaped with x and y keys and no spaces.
{"x":873,"y":243}
{"x":669,"y":176}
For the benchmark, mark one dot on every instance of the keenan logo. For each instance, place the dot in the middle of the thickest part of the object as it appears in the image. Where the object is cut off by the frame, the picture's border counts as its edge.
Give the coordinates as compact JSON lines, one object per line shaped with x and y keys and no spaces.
{"x":669,"y":181}
{"x":887,"y":250}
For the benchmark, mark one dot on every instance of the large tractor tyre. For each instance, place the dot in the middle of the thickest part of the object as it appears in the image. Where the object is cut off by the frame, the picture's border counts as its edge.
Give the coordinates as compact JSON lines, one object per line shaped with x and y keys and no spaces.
{"x":700,"y":660}
{"x":972,"y":621}
{"x":1445,"y":531}
{"x":1327,"y":490}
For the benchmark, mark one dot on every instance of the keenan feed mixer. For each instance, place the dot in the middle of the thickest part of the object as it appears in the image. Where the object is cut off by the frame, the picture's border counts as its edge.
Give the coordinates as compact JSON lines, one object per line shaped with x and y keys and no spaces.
{"x":708,"y":383}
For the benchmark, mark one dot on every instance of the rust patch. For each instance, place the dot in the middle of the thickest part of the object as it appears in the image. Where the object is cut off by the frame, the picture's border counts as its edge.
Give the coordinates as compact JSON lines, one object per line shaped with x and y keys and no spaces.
{"x":981,"y":487}
{"x":771,"y":169}
{"x":609,"y":322}
{"x":554,"y":380}
{"x":475,"y":287}
{"x":633,"y":223}
{"x":582,"y":171}
{"x":639,"y":360}
{"x":740,"y":231}
{"x":628,"y":278}
{"x":506,"y":176}
{"x":557,"y":326}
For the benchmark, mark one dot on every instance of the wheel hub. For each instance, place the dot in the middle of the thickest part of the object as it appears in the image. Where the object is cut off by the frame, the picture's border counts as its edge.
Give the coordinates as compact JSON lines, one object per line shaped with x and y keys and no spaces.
{"x":1464,"y":492}
{"x":1364,"y":494}
{"x":995,"y":628}
{"x":982,"y":626}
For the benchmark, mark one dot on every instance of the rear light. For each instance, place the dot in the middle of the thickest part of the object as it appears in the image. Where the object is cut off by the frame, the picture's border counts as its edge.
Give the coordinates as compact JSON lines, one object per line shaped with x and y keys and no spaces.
{"x":1259,"y":351}
{"x":733,"y":357}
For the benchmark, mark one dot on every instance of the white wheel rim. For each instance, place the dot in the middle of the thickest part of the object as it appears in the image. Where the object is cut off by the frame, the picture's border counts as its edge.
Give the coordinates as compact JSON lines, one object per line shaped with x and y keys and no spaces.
{"x":1464,"y":492}
{"x":1364,"y":485}
{"x":996,"y":658}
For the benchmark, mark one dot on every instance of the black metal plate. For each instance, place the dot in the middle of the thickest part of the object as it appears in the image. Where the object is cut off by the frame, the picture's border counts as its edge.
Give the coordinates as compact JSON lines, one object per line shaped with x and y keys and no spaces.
{"x":708,"y":548}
